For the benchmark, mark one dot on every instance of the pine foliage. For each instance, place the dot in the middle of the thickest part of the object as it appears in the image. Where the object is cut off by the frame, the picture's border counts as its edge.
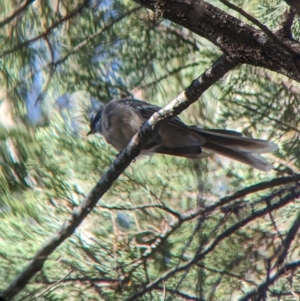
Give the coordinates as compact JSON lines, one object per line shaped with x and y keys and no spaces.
{"x":167,"y":220}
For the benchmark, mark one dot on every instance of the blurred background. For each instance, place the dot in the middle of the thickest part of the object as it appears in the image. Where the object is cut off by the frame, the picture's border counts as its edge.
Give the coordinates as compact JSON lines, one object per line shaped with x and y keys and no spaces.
{"x":59,"y":61}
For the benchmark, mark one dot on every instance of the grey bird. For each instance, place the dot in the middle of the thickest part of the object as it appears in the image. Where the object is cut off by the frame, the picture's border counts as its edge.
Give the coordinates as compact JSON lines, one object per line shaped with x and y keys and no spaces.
{"x":119,"y":120}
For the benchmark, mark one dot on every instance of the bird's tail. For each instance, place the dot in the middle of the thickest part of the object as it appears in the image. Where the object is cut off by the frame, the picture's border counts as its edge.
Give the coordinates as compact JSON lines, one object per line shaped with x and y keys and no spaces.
{"x":233,"y":145}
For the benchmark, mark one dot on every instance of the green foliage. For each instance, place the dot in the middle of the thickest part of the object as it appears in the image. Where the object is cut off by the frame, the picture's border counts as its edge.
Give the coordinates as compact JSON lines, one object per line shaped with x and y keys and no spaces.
{"x":144,"y":226}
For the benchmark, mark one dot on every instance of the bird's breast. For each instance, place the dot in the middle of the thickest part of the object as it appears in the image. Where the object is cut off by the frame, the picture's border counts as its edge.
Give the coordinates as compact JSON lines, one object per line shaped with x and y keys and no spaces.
{"x":119,"y":131}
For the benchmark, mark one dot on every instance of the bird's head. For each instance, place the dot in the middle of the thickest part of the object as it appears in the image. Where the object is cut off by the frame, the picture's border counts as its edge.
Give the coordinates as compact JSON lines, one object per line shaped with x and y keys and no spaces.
{"x":96,"y":122}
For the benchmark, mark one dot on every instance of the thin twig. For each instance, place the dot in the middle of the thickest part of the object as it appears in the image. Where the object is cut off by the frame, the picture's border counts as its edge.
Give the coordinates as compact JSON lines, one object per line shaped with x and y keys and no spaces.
{"x":187,"y":216}
{"x":273,"y":221}
{"x":36,"y":297}
{"x":286,"y":126}
{"x":141,"y":207}
{"x":170,"y":73}
{"x":15,"y":13}
{"x":283,"y":251}
{"x":294,"y":193}
{"x":256,"y":293}
{"x":256,"y":188}
{"x":182,"y":296}
{"x":48,"y":30}
{"x":224,"y":272}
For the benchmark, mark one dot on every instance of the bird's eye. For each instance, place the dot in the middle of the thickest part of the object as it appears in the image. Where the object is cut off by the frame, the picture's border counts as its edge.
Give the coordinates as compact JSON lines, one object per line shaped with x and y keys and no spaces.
{"x":95,"y":116}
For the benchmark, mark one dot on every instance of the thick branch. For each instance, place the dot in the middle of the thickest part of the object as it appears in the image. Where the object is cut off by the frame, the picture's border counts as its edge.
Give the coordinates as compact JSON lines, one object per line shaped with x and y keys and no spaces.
{"x":295,"y":4}
{"x":190,"y":95}
{"x":286,"y":23}
{"x":238,"y":40}
{"x":261,"y":26}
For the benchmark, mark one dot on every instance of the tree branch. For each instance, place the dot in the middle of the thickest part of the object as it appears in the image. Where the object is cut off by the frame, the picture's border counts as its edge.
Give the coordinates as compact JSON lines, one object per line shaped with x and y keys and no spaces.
{"x":181,"y":102}
{"x":287,"y":241}
{"x":286,"y":23}
{"x":236,"y":39}
{"x":204,"y":212}
{"x":15,"y":13}
{"x":295,"y":4}
{"x":224,"y":272}
{"x":255,"y":188}
{"x":294,"y":193}
{"x":181,"y":295}
{"x":261,"y":26}
{"x":48,"y":30}
{"x":142,"y":207}
{"x":257,"y":293}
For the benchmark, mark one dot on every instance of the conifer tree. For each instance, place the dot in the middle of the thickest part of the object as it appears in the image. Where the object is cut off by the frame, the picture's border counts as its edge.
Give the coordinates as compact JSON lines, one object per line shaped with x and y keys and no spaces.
{"x":79,"y":222}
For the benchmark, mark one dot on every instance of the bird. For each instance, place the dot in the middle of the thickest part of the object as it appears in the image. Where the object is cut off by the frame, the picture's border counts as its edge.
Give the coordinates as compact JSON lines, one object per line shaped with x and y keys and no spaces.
{"x":120,"y":119}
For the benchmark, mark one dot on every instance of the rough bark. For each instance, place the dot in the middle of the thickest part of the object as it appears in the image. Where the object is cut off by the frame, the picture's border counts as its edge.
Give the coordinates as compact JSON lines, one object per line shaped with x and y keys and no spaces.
{"x":295,"y":4}
{"x":239,"y":41}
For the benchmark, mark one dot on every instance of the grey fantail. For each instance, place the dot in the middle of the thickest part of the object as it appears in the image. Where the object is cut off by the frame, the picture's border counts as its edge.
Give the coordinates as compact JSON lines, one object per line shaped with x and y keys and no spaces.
{"x":120,"y":120}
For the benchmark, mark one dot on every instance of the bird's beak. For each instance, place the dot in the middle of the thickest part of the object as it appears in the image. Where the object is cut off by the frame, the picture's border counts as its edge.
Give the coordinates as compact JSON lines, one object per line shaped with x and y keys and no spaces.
{"x":89,"y":133}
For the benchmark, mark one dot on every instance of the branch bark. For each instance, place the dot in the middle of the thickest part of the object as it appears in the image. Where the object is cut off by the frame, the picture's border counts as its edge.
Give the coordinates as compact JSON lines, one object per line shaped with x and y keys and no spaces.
{"x":294,"y":193}
{"x":256,"y":294}
{"x":237,"y":40}
{"x":286,"y":23}
{"x":295,"y":4}
{"x":187,"y":97}
{"x":283,"y":252}
{"x":16,"y":13}
{"x":44,"y":34}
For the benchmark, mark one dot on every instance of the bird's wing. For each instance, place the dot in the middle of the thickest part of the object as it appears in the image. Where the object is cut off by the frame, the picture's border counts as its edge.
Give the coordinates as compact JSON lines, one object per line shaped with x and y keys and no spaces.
{"x":147,"y":110}
{"x":216,"y":131}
